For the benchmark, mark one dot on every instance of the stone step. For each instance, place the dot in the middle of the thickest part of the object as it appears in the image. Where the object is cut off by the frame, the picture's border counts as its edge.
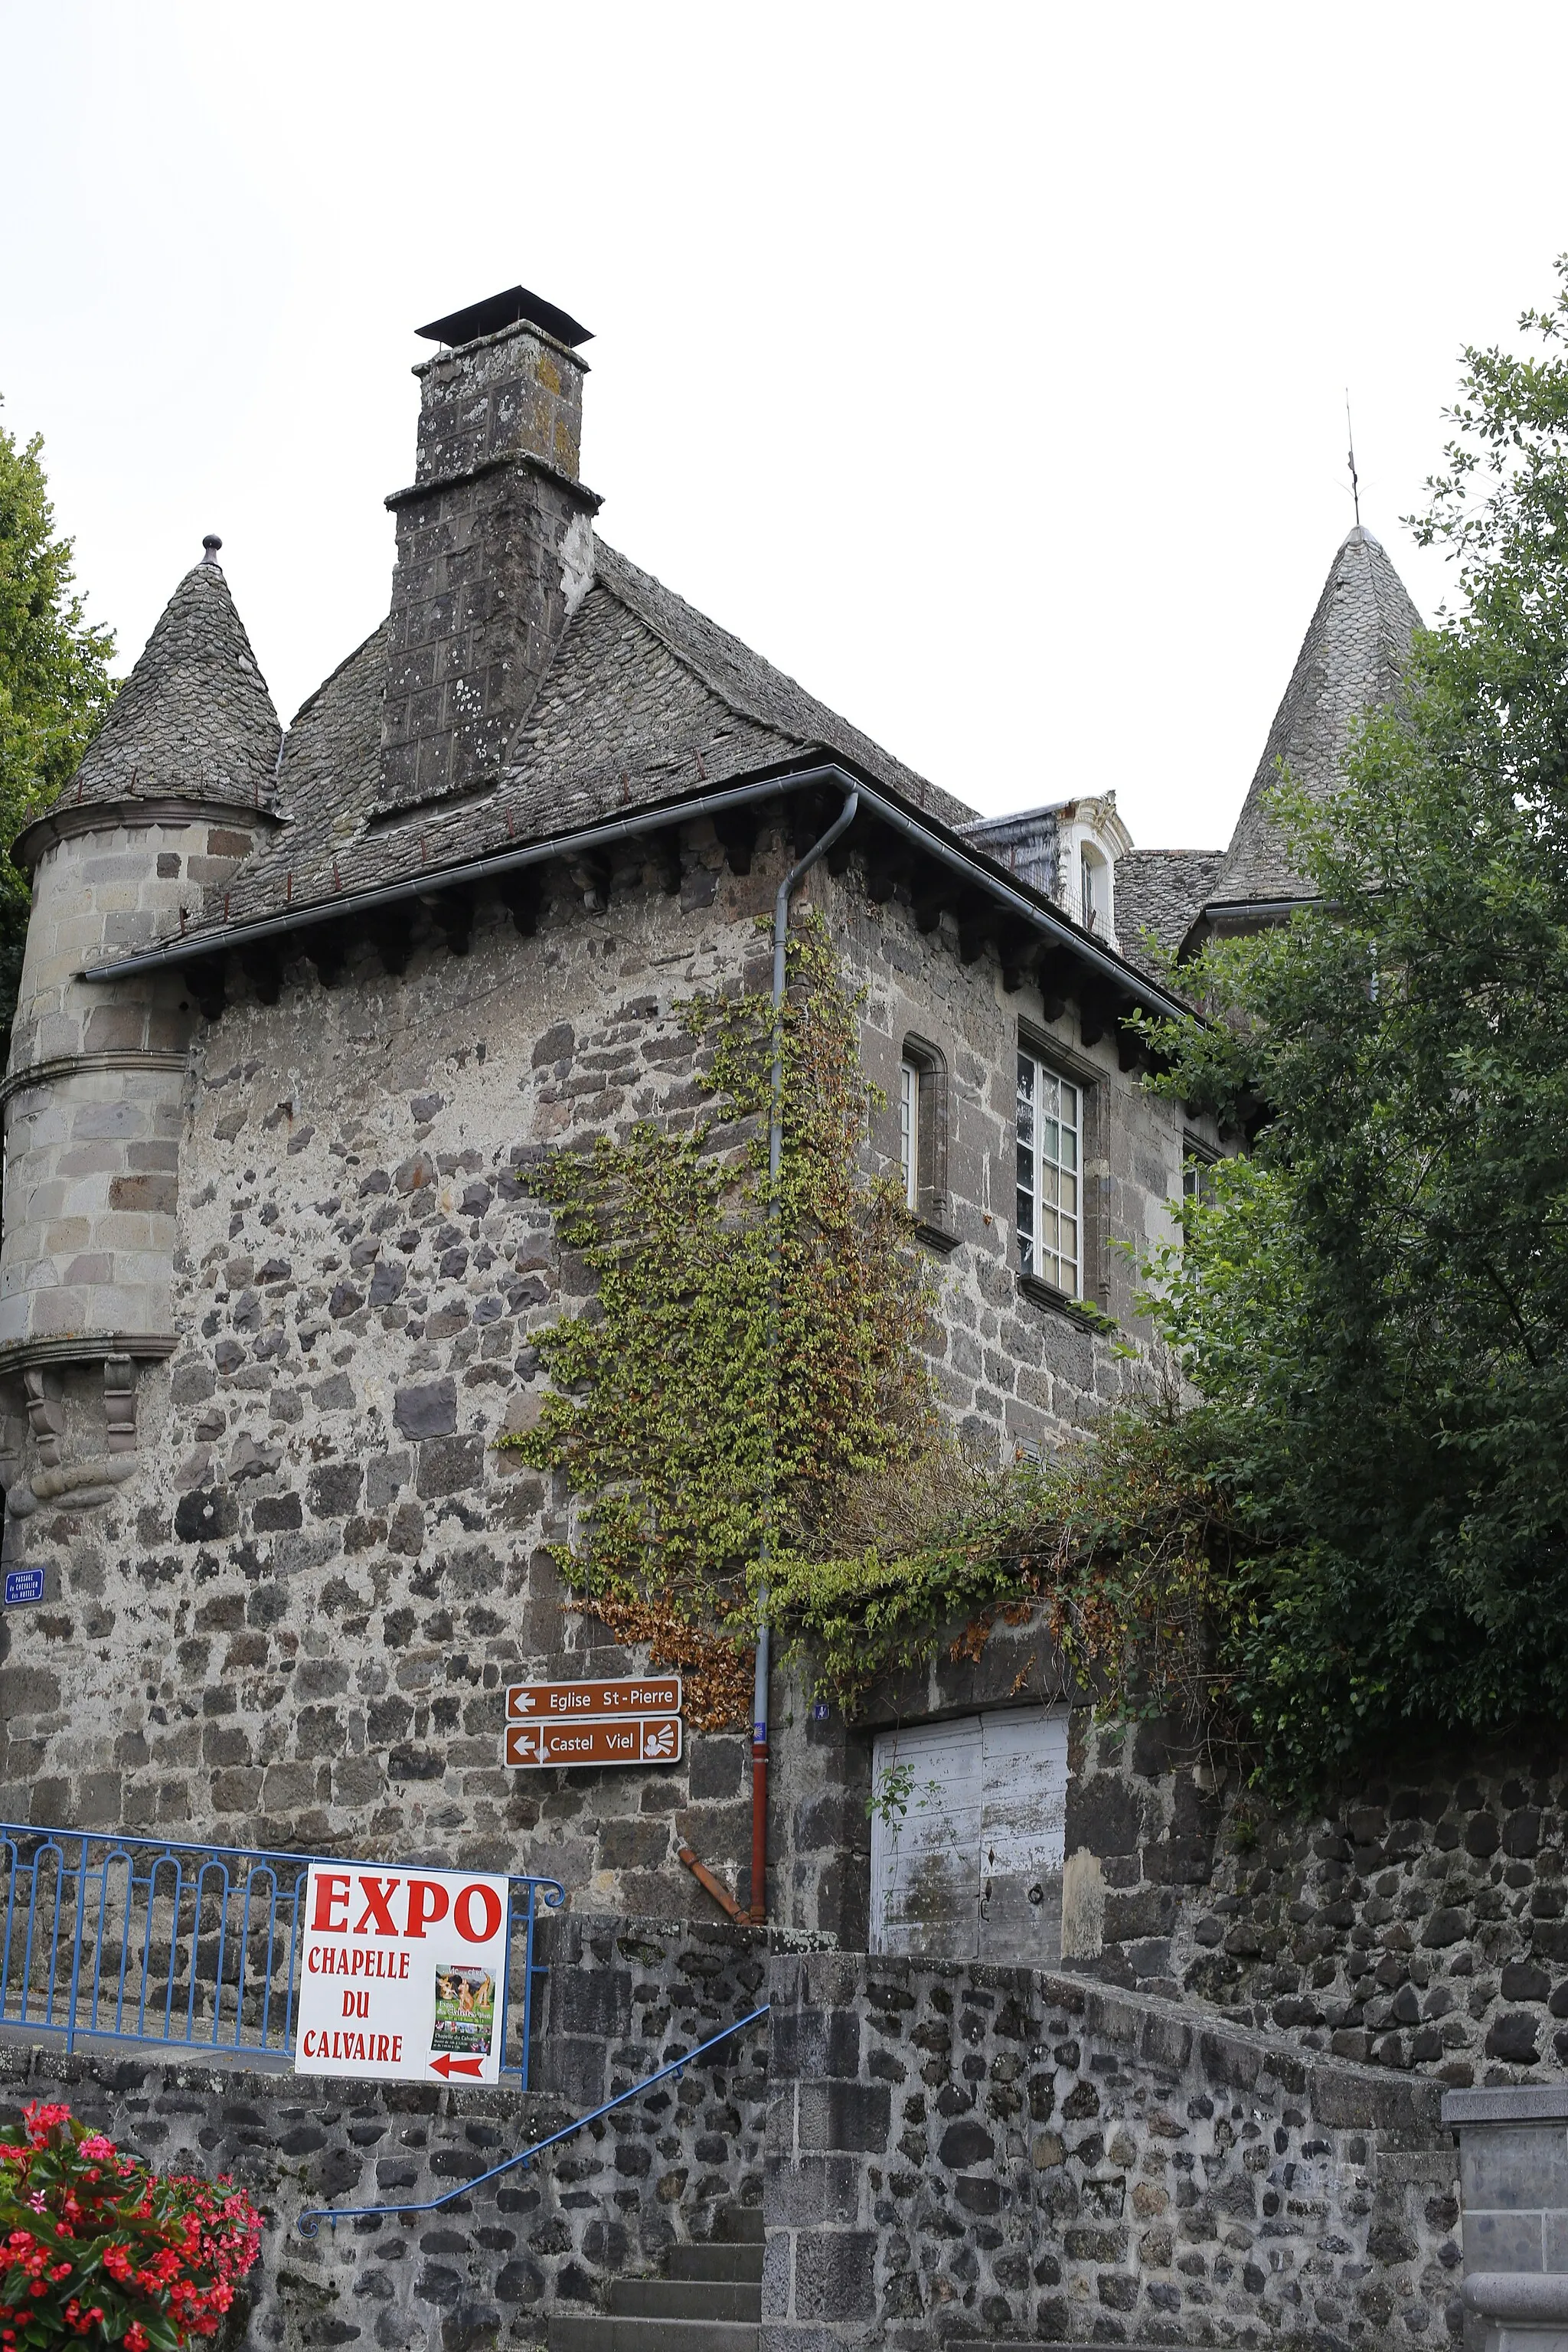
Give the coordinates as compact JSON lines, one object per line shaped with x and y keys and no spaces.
{"x":676,"y":2298}
{"x":713,"y":2259}
{"x":740,"y":2224}
{"x":602,"y":2332}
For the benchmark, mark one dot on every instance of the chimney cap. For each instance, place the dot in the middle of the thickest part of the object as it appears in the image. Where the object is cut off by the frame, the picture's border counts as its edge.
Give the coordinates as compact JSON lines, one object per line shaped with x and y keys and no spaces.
{"x":516,"y":306}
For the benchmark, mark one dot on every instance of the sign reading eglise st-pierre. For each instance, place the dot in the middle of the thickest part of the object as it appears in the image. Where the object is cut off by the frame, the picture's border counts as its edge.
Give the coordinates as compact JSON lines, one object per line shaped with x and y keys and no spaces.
{"x":404,"y":1974}
{"x":634,"y":1721}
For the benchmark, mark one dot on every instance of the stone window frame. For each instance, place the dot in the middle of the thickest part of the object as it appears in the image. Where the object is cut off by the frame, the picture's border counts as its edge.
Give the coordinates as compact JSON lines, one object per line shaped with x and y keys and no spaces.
{"x":1093,"y":1298}
{"x":928,"y":1196}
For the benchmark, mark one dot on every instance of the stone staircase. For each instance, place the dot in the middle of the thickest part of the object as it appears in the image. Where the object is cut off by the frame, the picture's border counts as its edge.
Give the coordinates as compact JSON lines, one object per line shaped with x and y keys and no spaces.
{"x":710,"y":2299}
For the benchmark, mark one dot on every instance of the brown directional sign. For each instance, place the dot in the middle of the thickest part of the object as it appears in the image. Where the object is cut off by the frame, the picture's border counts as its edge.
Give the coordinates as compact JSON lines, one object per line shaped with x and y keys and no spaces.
{"x":638,"y":1739}
{"x":634,"y":1695}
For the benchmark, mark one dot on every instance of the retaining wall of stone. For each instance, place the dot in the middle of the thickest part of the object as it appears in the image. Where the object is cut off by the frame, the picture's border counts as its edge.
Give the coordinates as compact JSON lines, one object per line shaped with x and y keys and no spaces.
{"x":1422,"y":1924}
{"x":995,"y":2153}
{"x":622,"y":1998}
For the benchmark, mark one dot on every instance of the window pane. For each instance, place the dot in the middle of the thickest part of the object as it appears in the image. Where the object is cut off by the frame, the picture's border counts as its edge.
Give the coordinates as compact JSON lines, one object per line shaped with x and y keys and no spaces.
{"x":909,"y":1130}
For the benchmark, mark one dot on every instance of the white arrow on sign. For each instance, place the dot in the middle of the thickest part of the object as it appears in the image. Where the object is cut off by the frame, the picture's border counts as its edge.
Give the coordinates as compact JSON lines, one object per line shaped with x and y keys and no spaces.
{"x":526,"y":1702}
{"x":525,"y":1746}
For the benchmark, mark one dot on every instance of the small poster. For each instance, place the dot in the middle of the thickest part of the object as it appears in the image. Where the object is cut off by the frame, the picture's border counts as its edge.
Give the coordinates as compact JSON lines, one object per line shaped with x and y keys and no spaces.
{"x":402,"y":1973}
{"x":464,"y":2010}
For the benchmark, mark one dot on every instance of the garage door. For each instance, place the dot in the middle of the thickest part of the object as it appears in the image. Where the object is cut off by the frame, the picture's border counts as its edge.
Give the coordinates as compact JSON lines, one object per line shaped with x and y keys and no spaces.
{"x":971,"y":1868}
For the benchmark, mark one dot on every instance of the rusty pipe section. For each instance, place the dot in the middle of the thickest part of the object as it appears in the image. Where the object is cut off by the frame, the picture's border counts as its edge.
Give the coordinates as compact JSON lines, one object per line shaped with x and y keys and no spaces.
{"x":714,"y":1886}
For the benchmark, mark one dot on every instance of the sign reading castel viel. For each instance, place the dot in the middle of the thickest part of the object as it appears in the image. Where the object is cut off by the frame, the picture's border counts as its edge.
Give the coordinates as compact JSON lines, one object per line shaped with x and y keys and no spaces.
{"x":402,"y":1974}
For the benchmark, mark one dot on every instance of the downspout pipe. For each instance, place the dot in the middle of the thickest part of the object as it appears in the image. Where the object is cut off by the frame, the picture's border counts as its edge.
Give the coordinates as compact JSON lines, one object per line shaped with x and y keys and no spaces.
{"x":786,"y":889}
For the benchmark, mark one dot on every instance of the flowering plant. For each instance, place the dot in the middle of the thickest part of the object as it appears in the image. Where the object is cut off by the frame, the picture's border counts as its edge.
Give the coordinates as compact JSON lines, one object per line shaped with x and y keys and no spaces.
{"x":94,"y":2244}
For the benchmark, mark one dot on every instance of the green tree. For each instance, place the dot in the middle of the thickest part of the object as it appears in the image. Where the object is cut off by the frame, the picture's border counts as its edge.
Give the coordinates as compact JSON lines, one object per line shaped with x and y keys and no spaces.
{"x":1374,"y":1307}
{"x":54,"y":677}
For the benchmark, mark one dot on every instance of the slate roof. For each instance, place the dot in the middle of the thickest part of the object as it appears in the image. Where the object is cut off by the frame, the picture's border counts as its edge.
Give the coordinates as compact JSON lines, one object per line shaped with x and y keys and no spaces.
{"x":1028,"y":843}
{"x":1162,"y":891}
{"x":194,"y":721}
{"x":647,"y":701}
{"x":1353,"y":655}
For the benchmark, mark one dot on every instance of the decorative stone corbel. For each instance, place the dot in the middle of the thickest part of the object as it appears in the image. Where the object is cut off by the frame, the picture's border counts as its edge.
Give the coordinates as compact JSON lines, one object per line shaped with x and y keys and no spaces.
{"x":46,"y":1415}
{"x":120,"y":1402}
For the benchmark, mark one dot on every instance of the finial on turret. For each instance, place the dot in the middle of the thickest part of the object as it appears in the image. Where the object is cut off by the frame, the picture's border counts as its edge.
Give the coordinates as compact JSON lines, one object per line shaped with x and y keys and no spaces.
{"x":210,"y":546}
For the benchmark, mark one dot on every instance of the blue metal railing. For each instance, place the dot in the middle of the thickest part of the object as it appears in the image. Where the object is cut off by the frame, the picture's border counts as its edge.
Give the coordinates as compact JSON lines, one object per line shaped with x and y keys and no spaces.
{"x":308,"y":2223}
{"x":194,"y":1947}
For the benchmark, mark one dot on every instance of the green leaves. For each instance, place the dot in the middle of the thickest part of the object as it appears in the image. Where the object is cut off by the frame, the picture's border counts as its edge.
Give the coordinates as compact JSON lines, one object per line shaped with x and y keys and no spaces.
{"x":54,"y":677}
{"x":737,"y":1367}
{"x":1375,"y":1308}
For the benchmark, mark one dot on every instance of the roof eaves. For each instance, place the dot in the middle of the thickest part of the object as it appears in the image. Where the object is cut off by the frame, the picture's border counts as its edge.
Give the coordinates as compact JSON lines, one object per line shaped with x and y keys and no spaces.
{"x":944,"y":842}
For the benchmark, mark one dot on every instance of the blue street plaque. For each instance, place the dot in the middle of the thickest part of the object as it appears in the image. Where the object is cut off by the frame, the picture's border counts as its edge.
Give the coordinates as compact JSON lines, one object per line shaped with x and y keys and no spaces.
{"x":22,"y":1584}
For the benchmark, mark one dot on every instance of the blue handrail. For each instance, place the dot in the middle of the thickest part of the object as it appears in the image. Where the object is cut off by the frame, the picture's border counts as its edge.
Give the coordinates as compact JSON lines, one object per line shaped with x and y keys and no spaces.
{"x":308,"y":2223}
{"x":187,"y":1947}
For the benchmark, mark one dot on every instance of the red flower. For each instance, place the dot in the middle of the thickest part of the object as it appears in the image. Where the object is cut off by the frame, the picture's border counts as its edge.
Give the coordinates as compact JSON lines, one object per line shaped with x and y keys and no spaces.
{"x":157,"y":2253}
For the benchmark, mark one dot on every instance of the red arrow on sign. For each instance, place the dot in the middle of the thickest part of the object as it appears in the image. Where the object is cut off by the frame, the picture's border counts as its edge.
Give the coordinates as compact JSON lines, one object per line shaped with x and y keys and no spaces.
{"x":448,"y":2066}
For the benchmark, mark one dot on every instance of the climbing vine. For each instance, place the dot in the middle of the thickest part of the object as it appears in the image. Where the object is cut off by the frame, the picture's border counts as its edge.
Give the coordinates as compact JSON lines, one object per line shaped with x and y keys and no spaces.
{"x":750,"y":1352}
{"x":1119,"y":1550}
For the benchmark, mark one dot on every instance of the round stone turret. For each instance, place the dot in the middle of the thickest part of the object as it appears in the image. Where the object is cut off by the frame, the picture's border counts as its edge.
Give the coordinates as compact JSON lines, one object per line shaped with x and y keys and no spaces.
{"x":167,"y":802}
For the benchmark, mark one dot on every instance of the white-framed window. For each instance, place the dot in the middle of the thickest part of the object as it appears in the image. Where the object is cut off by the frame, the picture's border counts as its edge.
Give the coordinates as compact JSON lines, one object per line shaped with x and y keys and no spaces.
{"x":909,"y":1131}
{"x":1050,"y":1166}
{"x":1094,"y":891}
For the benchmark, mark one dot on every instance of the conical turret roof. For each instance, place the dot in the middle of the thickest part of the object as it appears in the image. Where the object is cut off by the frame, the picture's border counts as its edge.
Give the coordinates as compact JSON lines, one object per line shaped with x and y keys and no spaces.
{"x":194,"y":721}
{"x":1351,"y":658}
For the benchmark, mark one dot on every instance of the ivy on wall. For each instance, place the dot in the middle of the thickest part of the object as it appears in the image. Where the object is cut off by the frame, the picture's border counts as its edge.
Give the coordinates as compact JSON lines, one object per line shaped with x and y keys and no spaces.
{"x":739,"y":1371}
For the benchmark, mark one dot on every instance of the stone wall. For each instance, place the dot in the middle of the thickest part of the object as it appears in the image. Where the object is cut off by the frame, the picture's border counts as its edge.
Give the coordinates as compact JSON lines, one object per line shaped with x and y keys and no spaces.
{"x":949,"y":2153}
{"x":988,"y":2152}
{"x":622,"y":1998}
{"x":1420,"y":1924}
{"x":296,"y":1623}
{"x":1007,"y":1357}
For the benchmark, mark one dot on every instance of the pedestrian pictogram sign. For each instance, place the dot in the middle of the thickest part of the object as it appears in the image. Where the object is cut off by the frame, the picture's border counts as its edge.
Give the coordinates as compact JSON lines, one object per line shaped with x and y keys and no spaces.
{"x":650,"y":1740}
{"x":402,"y":1975}
{"x":634,"y":1721}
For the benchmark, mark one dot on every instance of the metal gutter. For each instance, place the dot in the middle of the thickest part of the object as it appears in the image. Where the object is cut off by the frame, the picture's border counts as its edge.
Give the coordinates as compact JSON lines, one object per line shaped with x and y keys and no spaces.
{"x":926,"y":833}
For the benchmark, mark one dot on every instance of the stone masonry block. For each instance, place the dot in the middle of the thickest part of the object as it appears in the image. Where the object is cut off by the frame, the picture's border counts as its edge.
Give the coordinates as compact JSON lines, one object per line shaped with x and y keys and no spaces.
{"x":854,"y":2116}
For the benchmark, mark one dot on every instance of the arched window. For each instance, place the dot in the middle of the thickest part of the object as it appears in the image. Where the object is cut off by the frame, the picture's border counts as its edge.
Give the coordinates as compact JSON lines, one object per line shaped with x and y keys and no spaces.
{"x":1094,"y":892}
{"x":923,"y":1127}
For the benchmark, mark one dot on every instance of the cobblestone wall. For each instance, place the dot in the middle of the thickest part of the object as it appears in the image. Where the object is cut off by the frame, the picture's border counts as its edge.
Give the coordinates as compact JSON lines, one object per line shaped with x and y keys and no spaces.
{"x":1421,"y":1925}
{"x":295,"y":1623}
{"x":987,"y":2152}
{"x":487,"y":2270}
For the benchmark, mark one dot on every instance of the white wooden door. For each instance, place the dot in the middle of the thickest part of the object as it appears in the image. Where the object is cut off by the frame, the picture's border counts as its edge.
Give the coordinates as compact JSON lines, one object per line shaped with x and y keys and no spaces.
{"x":971,"y":1867}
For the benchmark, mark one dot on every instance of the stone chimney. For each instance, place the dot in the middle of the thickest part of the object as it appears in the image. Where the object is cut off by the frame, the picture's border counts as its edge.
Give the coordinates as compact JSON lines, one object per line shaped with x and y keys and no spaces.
{"x":494,"y":544}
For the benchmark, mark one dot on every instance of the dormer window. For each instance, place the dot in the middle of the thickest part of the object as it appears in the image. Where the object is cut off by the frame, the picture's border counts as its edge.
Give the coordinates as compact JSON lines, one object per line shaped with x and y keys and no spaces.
{"x":1094,"y":891}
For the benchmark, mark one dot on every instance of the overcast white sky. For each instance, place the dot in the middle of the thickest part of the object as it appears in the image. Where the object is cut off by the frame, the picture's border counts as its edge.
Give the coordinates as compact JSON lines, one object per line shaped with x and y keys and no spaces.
{"x":982,"y":366}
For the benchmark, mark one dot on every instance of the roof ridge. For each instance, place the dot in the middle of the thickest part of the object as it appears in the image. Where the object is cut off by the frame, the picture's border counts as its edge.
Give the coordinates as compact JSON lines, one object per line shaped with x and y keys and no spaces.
{"x":333,"y":674}
{"x":758,"y":691}
{"x":646,"y":610}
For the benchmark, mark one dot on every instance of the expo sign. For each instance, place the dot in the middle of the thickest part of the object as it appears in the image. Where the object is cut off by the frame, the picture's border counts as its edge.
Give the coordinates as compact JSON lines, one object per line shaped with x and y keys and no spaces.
{"x":402,"y":1974}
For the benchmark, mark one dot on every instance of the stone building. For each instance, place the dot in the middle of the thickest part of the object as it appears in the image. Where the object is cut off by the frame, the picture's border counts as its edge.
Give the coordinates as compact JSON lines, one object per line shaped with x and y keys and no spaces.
{"x":297,"y":1007}
{"x":297,"y":1011}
